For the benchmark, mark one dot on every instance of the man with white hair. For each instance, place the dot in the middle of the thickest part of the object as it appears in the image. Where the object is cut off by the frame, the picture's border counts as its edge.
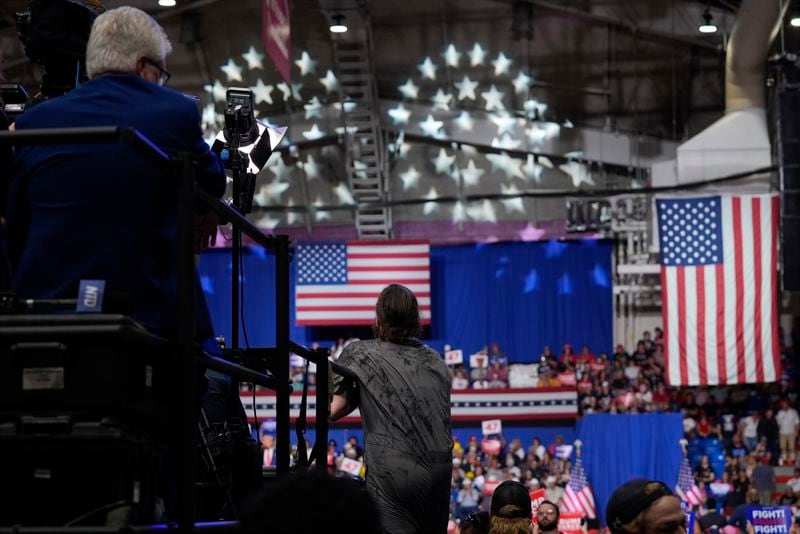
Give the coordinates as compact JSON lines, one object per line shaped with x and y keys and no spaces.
{"x":102,"y":211}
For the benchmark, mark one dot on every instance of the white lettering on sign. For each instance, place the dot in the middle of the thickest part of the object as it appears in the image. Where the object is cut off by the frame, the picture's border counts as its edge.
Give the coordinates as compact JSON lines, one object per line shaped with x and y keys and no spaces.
{"x":90,"y":296}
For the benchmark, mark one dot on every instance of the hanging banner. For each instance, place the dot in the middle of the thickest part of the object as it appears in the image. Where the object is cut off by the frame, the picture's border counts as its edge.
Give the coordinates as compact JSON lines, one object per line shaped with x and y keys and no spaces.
{"x":275,"y":32}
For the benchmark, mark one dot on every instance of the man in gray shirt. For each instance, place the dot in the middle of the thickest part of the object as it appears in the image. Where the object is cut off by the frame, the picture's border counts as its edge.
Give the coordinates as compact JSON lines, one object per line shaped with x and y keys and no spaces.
{"x":403,"y":392}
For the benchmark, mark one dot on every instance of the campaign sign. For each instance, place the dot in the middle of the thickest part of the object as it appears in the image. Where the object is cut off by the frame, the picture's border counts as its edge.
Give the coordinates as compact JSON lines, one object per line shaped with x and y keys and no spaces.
{"x":537,"y":497}
{"x":563,"y":452}
{"x":489,"y":486}
{"x":570,"y":522}
{"x":491,"y":446}
{"x":479,"y":360}
{"x":454,"y":357}
{"x":690,"y":516}
{"x":567,"y":379}
{"x":770,"y":519}
{"x":351,"y":467}
{"x":492,"y":426}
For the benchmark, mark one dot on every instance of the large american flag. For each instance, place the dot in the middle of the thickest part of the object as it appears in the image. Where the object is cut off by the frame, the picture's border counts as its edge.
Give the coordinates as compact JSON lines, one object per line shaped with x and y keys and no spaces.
{"x":338,"y":282}
{"x":686,"y":489}
{"x":719,"y":289}
{"x":578,"y":496}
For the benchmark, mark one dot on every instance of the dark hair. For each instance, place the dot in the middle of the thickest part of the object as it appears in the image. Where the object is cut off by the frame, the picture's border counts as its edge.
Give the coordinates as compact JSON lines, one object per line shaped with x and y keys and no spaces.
{"x":475,"y":523}
{"x":283,"y":505}
{"x":551,"y":503}
{"x":397,"y":314}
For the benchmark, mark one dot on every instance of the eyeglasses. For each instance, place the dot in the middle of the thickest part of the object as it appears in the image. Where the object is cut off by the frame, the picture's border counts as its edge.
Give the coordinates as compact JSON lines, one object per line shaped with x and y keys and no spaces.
{"x":163,"y":74}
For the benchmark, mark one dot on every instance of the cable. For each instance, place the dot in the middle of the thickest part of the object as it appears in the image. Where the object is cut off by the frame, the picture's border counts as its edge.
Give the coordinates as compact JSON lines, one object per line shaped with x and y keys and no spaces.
{"x":98,"y":510}
{"x":241,"y":295}
{"x":533,"y":193}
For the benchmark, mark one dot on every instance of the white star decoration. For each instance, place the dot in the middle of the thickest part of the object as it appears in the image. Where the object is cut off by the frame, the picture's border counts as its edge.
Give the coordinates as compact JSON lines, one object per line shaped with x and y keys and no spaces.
{"x":505,"y":163}
{"x":320,"y":215}
{"x":506,"y":142}
{"x":579,"y":172}
{"x":512,"y":204}
{"x":410,"y":178}
{"x":329,"y":81}
{"x":267,"y":221}
{"x":311,"y":167}
{"x":209,"y":117}
{"x":217,"y":91}
{"x":493,"y":98}
{"x":466,"y":88}
{"x":534,"y":108}
{"x":464,"y":121}
{"x":443,"y":162}
{"x":544,"y":161}
{"x":476,"y":55}
{"x":232,"y":71}
{"x":290,"y":92}
{"x":278,"y":167}
{"x":505,"y":123}
{"x":270,"y":193}
{"x":441,"y":100}
{"x":472,"y":174}
{"x":452,"y":56}
{"x":343,"y":193}
{"x":427,"y":68}
{"x":255,"y":61}
{"x":532,"y":170}
{"x":292,"y":217}
{"x":459,"y":213}
{"x":313,"y":133}
{"x":483,"y":212}
{"x":262,"y":93}
{"x":399,"y":114}
{"x":409,"y":90}
{"x":521,"y":83}
{"x":501,"y":64}
{"x":431,"y":127}
{"x":306,"y":64}
{"x":430,"y":207}
{"x":313,"y":108}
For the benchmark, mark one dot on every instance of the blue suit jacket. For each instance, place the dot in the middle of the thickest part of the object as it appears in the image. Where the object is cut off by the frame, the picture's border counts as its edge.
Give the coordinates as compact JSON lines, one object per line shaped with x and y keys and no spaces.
{"x":102,"y":211}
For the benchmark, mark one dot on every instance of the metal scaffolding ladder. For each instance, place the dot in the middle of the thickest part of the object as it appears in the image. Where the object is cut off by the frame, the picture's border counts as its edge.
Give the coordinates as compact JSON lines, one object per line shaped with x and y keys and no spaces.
{"x":364,"y":147}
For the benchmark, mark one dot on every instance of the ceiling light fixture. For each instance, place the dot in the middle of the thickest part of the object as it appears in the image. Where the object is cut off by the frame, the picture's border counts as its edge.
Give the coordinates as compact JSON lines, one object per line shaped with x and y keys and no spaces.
{"x":167,"y":3}
{"x":708,"y":26}
{"x":794,"y":19}
{"x":338,"y":25}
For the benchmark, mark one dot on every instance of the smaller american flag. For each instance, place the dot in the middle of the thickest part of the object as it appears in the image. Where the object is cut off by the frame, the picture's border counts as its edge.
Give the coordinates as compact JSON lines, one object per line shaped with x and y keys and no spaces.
{"x":686,"y":489}
{"x":578,"y":496}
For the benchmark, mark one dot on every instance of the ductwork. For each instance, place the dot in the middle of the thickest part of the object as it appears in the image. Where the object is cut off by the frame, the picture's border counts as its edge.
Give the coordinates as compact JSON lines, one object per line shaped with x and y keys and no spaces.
{"x":757,"y":24}
{"x":738,"y":141}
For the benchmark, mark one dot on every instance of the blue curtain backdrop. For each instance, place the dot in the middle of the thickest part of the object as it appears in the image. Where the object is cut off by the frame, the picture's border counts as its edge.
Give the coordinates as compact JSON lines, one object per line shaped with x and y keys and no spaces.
{"x":521,"y":295}
{"x":620,"y":447}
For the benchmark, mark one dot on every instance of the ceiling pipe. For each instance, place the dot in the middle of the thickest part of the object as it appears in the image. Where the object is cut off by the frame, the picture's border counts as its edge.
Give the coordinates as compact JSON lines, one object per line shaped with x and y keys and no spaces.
{"x":757,"y":24}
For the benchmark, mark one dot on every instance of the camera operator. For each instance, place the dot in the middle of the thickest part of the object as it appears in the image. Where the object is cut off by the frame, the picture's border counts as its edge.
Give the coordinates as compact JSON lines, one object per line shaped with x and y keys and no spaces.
{"x":102,"y":211}
{"x":5,"y":178}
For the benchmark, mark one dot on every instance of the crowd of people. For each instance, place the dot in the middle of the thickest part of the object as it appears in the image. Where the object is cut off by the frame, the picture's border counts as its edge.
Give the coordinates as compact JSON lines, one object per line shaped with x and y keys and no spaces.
{"x":736,"y":436}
